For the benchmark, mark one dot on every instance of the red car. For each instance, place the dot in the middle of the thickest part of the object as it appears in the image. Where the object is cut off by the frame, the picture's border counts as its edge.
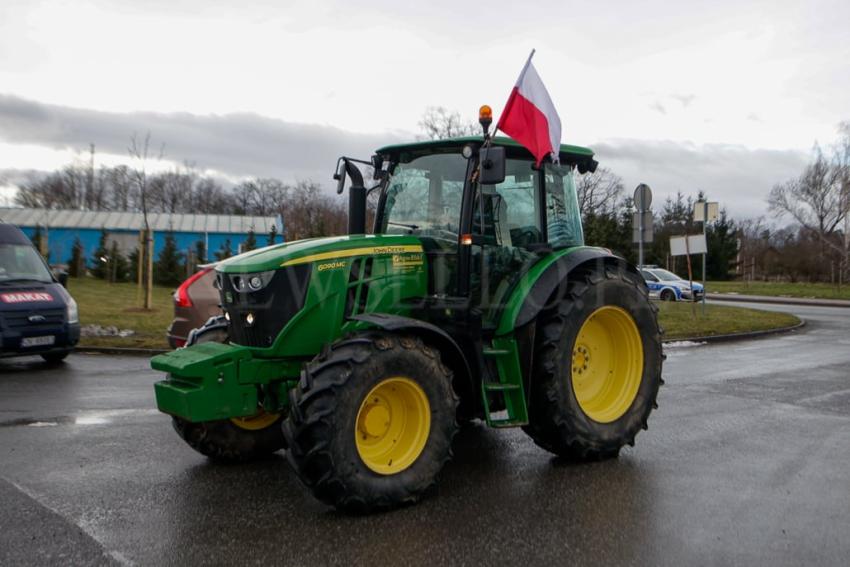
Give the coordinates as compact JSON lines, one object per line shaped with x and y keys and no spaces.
{"x":195,"y":301}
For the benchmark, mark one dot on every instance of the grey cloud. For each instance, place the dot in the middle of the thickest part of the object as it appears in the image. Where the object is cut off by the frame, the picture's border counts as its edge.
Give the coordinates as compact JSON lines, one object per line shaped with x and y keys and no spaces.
{"x":658,"y":107}
{"x":240,"y":144}
{"x":685,"y":99}
{"x":249,"y":144}
{"x":738,"y":177}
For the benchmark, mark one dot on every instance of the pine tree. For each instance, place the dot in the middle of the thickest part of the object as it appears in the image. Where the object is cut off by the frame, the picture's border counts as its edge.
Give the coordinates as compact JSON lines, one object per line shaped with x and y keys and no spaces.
{"x":722,"y":248}
{"x":200,"y":252}
{"x":133,"y":265}
{"x":224,"y":252}
{"x":272,"y":235}
{"x":118,"y":267}
{"x":76,"y":264}
{"x":168,"y":269}
{"x":39,"y":243}
{"x":99,"y":259}
{"x":250,"y":242}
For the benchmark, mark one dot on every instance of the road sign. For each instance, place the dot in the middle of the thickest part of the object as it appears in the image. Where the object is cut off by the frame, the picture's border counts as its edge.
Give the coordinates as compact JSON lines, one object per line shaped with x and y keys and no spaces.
{"x":643,"y":197}
{"x":695,"y":244}
{"x":642,"y":228}
{"x":703,"y":209}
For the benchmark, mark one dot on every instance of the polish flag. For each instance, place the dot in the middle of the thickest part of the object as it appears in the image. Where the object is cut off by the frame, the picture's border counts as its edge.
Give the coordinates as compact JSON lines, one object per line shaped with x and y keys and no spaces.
{"x":530,"y":117}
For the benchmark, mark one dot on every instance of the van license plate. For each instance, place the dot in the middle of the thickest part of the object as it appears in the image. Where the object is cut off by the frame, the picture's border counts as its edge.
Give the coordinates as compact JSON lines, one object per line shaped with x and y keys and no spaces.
{"x":38,"y":341}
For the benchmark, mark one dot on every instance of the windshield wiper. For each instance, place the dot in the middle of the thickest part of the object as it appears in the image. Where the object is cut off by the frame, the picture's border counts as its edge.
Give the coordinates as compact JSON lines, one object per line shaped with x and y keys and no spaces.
{"x":405,"y":225}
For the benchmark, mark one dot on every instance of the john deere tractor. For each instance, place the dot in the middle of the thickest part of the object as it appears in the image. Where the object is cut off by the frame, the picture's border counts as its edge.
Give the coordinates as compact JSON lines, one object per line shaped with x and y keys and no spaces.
{"x":473,"y":296}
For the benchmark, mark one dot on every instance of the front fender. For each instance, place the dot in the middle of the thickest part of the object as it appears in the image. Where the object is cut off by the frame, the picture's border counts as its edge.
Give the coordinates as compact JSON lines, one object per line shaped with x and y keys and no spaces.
{"x":452,"y":353}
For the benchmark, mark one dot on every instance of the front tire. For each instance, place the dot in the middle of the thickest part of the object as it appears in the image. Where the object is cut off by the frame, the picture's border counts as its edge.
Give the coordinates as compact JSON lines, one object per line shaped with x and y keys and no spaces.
{"x":371,"y":422}
{"x":597,"y":367}
{"x":55,"y":357}
{"x":237,"y":440}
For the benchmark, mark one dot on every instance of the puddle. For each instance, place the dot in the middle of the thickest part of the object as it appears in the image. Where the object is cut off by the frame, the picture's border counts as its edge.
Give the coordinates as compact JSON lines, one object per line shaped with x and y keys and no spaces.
{"x":102,"y":417}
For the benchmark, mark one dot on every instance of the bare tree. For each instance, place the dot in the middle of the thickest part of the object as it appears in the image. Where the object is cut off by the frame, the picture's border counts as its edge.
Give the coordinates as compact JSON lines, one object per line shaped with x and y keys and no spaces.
{"x":210,"y":198}
{"x":599,"y":192}
{"x":140,"y":153}
{"x":815,"y":200}
{"x":438,"y":122}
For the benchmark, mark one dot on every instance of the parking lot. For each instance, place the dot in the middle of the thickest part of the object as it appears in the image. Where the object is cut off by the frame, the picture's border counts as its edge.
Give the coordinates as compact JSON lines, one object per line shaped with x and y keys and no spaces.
{"x":745,"y":461}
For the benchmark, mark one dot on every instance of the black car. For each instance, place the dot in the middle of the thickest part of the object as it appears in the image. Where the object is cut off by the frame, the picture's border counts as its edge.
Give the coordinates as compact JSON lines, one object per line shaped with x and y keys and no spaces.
{"x":37,"y":314}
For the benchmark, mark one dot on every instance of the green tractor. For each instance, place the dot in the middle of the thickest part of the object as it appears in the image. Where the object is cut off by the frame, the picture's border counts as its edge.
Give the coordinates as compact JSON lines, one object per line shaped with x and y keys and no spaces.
{"x":475,"y":297}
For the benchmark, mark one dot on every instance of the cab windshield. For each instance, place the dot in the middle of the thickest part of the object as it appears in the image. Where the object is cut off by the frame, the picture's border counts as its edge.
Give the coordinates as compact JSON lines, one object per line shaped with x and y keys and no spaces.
{"x":424,"y":196}
{"x":21,"y":262}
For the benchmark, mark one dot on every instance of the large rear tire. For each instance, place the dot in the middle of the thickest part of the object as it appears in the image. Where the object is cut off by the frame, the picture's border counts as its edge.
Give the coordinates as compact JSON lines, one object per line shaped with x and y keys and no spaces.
{"x":597,"y":366}
{"x":371,"y":422}
{"x":235,"y":440}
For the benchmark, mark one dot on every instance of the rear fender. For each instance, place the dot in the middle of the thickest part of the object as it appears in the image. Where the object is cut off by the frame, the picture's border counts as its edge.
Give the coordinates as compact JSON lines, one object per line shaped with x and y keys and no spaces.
{"x":544,"y":285}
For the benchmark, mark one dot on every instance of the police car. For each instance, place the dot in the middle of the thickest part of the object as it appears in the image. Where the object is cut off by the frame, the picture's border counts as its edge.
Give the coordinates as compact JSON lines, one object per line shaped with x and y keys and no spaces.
{"x":667,"y":286}
{"x":37,"y":314}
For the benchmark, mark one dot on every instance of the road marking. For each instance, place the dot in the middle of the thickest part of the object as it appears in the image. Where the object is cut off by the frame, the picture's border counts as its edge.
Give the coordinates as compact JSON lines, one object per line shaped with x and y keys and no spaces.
{"x":116,"y":555}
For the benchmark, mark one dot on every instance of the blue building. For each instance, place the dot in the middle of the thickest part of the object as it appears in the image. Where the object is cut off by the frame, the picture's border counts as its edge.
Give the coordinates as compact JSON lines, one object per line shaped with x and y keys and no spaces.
{"x":62,"y":227}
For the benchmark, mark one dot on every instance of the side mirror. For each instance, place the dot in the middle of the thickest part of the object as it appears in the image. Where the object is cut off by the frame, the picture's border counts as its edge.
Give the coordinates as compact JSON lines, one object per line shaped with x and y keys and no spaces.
{"x":62,"y":276}
{"x":378,"y":166}
{"x":492,"y":165}
{"x":339,"y":176}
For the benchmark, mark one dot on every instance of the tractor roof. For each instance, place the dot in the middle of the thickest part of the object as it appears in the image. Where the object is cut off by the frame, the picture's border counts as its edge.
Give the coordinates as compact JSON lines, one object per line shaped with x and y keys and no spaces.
{"x":568,"y":154}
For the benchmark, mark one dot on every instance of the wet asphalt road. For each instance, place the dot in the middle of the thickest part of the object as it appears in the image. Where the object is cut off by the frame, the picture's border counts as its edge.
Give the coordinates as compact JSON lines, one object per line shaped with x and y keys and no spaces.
{"x":747,"y":461}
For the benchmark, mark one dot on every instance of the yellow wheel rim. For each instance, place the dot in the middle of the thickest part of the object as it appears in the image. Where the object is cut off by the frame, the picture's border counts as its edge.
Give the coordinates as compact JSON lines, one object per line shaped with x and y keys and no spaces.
{"x":255,"y":422}
{"x":393,"y":424}
{"x":607,"y":364}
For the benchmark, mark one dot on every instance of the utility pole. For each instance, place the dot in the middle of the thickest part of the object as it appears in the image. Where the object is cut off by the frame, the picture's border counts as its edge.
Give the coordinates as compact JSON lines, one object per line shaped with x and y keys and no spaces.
{"x":704,"y":256}
{"x":87,"y":200}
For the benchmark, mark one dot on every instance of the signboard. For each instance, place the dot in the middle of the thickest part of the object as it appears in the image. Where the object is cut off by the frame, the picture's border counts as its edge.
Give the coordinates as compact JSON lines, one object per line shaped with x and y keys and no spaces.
{"x":695,"y":245}
{"x":643,"y":197}
{"x":700,"y":208}
{"x":648,"y":232}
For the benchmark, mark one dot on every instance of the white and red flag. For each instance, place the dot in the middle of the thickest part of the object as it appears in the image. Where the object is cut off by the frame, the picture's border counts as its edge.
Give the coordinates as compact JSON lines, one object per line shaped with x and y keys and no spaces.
{"x":530,"y":117}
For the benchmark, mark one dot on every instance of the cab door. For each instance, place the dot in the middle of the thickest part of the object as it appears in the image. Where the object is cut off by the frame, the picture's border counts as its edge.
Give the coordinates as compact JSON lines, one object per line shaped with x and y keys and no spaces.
{"x":532,"y":213}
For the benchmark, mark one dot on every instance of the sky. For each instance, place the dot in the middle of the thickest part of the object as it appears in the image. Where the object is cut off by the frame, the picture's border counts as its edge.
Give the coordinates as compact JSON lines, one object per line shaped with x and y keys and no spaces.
{"x":723,"y":96}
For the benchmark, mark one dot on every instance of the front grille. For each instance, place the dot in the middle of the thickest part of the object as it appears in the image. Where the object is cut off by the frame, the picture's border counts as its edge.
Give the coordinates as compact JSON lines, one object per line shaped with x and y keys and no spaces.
{"x":272,"y":306}
{"x":21,"y":319}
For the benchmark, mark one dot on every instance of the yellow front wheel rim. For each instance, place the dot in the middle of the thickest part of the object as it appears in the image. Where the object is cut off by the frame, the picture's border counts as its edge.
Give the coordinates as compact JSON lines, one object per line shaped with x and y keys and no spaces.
{"x":392,"y":425}
{"x":607,"y":364}
{"x":255,"y":422}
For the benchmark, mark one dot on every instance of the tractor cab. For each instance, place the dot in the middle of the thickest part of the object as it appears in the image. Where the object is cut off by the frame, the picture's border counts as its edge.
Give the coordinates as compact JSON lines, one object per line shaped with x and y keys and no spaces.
{"x":479,"y":237}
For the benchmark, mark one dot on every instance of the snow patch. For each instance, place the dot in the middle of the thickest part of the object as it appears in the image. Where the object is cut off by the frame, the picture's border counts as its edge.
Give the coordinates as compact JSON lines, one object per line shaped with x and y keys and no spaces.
{"x":683,"y":344}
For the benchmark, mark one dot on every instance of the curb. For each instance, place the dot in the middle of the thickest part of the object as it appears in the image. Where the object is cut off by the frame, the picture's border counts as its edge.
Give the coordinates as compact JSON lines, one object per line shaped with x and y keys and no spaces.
{"x":120,"y":350}
{"x":778,"y":300}
{"x":707,"y":339}
{"x":738,"y":336}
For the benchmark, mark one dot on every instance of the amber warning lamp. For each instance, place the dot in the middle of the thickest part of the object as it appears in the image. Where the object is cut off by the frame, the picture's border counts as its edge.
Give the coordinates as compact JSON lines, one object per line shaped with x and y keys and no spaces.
{"x":485,"y":117}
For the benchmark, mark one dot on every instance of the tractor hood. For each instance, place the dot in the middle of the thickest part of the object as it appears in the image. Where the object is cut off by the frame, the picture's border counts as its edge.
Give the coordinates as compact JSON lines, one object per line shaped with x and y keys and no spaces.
{"x":319,"y":250}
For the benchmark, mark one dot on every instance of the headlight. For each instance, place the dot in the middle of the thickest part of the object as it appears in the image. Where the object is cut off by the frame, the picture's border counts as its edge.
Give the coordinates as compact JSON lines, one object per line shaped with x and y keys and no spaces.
{"x":73,"y":313}
{"x":246,"y":283}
